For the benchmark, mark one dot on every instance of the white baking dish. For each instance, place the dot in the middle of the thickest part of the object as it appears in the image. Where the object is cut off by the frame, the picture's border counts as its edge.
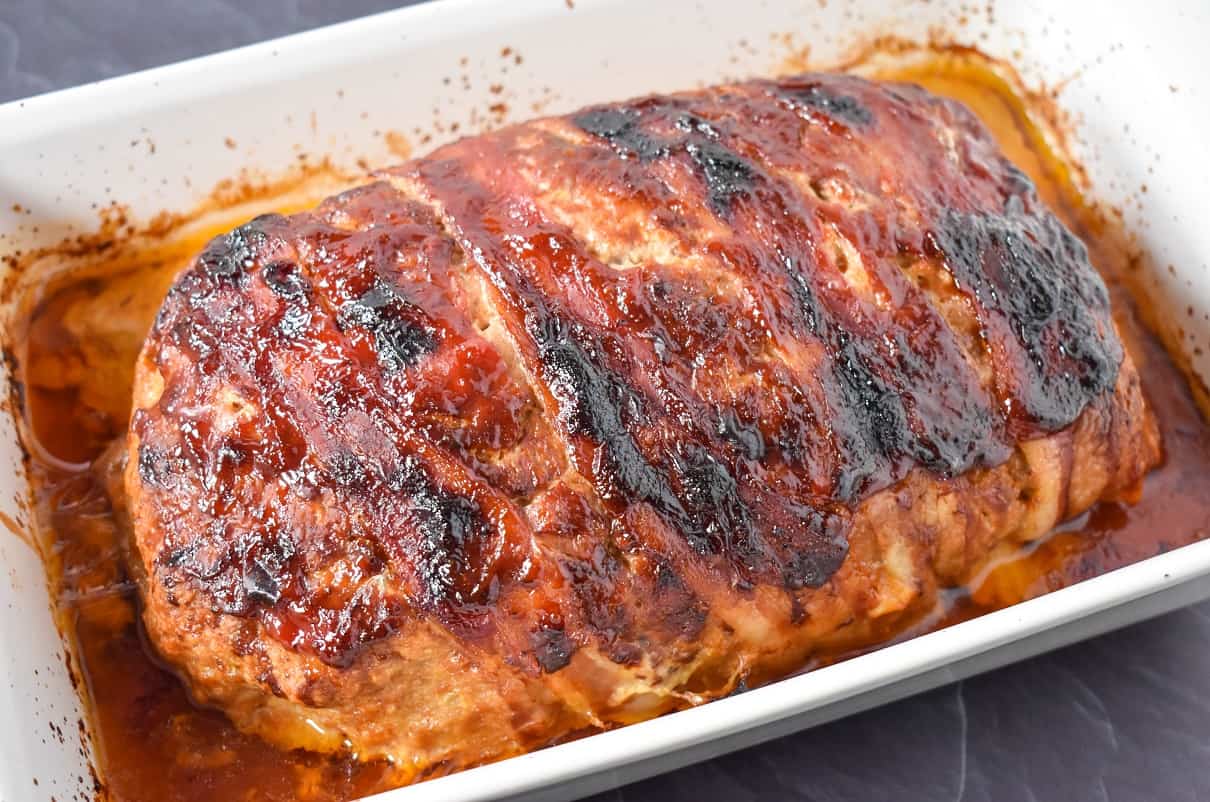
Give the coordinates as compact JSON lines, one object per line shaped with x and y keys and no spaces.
{"x":1135,"y":77}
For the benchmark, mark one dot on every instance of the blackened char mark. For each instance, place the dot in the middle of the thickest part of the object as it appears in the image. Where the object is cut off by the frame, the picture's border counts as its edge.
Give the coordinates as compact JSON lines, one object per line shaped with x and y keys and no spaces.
{"x":285,"y":280}
{"x":876,"y":409}
{"x":620,"y":126}
{"x":347,"y":470}
{"x":827,"y":533}
{"x":871,"y":423}
{"x":891,"y":408}
{"x":878,"y":423}
{"x":449,"y":555}
{"x":155,"y":467}
{"x":596,"y":403}
{"x":227,"y":259}
{"x":240,"y":571}
{"x":711,"y":495}
{"x":815,"y":97}
{"x":691,"y":489}
{"x":1031,"y":274}
{"x":552,"y":648}
{"x":874,"y":429}
{"x":812,"y":568}
{"x":675,"y":608}
{"x":955,"y":430}
{"x":223,"y":266}
{"x":948,"y":446}
{"x":402,"y":335}
{"x":726,"y":174}
{"x":746,"y":437}
{"x":443,"y":535}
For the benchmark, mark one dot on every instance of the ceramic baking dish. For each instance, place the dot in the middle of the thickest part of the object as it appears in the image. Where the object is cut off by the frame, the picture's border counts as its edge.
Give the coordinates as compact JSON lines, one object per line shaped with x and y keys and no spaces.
{"x":1134,"y":77}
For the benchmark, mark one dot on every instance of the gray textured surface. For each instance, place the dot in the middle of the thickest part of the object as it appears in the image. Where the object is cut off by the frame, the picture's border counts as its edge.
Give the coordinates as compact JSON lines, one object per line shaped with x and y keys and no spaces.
{"x":1123,"y":717}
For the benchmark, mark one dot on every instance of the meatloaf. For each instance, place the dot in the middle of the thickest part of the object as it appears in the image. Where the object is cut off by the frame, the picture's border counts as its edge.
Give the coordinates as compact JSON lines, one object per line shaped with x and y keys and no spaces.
{"x":599,"y":416}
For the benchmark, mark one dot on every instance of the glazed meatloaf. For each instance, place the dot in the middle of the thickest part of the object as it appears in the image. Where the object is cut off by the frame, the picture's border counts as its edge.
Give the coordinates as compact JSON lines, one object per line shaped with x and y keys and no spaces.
{"x":599,"y":416}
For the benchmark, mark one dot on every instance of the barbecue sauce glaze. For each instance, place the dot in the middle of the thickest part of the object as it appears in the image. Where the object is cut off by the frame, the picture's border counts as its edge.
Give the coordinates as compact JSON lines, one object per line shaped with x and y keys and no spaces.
{"x":156,"y":745}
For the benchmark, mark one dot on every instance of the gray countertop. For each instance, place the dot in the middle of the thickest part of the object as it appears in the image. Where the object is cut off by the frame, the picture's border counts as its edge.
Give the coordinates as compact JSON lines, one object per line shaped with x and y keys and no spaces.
{"x":1122,"y":717}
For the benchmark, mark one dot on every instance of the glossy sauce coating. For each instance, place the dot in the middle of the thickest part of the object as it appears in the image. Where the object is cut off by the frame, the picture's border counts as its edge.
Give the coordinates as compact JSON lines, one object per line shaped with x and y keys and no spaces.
{"x":315,"y":459}
{"x":380,"y":337}
{"x":382,"y":324}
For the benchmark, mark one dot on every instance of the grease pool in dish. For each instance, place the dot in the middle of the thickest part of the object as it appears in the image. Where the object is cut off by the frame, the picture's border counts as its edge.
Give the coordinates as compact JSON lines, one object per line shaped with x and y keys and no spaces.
{"x":83,"y":520}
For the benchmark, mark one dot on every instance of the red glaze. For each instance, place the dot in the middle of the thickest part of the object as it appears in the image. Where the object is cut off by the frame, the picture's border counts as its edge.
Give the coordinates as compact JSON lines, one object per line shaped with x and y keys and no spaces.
{"x":711,"y":301}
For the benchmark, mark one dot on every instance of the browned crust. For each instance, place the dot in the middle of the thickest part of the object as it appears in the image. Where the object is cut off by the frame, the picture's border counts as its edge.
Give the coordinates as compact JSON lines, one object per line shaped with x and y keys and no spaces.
{"x":598,"y":417}
{"x":434,"y":704}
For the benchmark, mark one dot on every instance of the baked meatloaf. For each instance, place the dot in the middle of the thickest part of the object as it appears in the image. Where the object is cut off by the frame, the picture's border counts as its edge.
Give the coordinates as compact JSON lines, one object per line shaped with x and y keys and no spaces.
{"x":598,"y":416}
